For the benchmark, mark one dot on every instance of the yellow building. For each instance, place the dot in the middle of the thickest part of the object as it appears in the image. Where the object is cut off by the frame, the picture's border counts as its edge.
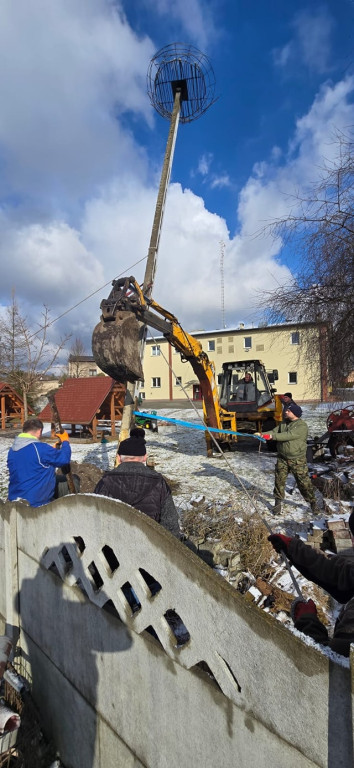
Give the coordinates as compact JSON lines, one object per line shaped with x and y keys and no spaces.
{"x":297,"y":352}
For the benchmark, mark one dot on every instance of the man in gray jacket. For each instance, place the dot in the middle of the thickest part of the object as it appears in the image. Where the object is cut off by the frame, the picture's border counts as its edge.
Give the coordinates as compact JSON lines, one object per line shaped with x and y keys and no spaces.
{"x":291,"y":439}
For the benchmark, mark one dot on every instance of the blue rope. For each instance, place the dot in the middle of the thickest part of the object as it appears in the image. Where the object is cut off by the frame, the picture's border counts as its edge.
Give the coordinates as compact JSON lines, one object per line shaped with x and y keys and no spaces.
{"x":202,"y":427}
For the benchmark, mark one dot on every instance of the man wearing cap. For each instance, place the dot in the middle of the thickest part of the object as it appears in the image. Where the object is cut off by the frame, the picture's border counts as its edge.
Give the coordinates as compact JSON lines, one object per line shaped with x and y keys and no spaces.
{"x":291,"y":439}
{"x":138,"y":485}
{"x":335,"y":575}
{"x":286,"y":399}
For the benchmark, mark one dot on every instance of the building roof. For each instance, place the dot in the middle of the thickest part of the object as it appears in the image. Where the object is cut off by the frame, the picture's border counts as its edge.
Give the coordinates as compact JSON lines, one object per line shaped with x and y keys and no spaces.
{"x":246,"y":330}
{"x":6,"y":389}
{"x":78,"y":400}
{"x":81,"y":359}
{"x":5,"y":386}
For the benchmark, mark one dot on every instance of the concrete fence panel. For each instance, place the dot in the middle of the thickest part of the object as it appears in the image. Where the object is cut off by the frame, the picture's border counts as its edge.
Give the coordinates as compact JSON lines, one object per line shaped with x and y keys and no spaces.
{"x":141,"y":655}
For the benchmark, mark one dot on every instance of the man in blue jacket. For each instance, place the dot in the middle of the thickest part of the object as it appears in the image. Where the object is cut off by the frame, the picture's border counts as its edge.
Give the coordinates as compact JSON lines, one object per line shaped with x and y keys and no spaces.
{"x":32,"y":464}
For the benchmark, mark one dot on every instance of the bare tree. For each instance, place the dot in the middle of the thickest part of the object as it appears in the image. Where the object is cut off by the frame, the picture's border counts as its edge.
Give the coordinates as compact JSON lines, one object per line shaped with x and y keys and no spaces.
{"x":322,"y":227}
{"x":28,"y":355}
{"x":77,"y":351}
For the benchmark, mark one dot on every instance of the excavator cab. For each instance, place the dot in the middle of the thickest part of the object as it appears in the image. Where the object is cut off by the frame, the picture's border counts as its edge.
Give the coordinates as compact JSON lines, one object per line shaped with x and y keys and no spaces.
{"x":245,"y":387}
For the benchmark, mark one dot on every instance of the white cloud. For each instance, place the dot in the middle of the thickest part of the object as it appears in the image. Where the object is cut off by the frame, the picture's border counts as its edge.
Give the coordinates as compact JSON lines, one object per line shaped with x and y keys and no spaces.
{"x":310,"y":44}
{"x":313,"y":31}
{"x":69,"y":69}
{"x":218,"y":182}
{"x":194,"y":16}
{"x":205,"y":163}
{"x":62,"y":138}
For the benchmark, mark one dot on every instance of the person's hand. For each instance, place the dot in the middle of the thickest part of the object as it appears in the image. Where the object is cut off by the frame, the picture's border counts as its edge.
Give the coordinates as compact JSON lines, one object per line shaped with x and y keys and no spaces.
{"x":280,"y":542}
{"x":300,"y":608}
{"x":62,"y":436}
{"x":266,"y":437}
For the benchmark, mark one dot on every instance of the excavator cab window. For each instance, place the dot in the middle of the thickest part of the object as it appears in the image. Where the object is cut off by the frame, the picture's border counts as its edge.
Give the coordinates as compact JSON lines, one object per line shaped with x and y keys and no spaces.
{"x":244,"y":386}
{"x":264,"y":393}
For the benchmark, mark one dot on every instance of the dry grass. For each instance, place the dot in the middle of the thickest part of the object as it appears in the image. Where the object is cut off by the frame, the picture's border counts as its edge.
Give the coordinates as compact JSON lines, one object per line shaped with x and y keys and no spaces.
{"x":248,"y":538}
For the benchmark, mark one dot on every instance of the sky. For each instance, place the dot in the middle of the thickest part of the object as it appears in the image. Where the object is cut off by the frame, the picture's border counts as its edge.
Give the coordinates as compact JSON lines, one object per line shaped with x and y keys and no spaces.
{"x":81,"y":150}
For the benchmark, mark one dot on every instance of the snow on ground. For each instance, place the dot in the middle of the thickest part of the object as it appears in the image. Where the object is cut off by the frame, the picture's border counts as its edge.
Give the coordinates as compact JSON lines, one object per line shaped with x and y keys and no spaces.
{"x":242,"y":479}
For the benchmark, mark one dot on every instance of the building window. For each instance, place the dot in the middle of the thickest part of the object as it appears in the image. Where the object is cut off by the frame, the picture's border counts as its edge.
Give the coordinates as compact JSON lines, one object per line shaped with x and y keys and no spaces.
{"x":231,"y":349}
{"x":92,"y":371}
{"x":295,"y":337}
{"x":142,"y":395}
{"x":156,"y":381}
{"x":178,"y":381}
{"x":211,"y":346}
{"x":292,"y":377}
{"x":259,"y":347}
{"x":155,"y":350}
{"x":247,"y":342}
{"x":219,"y":350}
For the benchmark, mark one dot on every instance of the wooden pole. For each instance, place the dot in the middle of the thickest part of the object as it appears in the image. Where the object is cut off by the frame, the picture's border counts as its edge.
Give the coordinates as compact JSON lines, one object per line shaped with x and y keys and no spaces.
{"x":3,"y":412}
{"x":133,"y":389}
{"x":56,"y":424}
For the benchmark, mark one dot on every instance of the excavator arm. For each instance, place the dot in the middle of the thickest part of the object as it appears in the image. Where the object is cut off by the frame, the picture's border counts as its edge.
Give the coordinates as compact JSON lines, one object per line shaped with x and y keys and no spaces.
{"x":118,"y":341}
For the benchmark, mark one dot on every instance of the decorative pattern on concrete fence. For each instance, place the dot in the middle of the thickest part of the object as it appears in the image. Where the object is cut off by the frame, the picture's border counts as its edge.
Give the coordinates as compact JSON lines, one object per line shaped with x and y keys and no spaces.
{"x":142,"y":656}
{"x":136,"y":597}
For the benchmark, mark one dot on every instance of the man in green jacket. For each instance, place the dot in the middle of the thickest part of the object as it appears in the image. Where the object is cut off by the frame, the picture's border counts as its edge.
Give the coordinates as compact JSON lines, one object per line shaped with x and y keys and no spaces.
{"x":291,"y":439}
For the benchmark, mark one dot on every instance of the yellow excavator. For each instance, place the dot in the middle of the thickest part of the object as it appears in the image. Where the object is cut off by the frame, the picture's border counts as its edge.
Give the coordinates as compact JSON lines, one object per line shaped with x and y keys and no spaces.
{"x":247,"y":401}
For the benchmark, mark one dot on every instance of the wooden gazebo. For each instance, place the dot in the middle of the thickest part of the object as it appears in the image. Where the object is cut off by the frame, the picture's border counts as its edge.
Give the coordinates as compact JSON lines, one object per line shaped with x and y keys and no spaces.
{"x":12,"y":410}
{"x":94,"y":403}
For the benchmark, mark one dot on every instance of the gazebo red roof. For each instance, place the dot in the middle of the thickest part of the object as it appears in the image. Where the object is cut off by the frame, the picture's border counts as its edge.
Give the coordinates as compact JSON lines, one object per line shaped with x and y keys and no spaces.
{"x":78,"y":400}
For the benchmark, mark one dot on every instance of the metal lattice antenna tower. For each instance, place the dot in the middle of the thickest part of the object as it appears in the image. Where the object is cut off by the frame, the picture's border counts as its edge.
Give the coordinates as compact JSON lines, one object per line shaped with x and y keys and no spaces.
{"x":222,"y":254}
{"x":181,"y":87}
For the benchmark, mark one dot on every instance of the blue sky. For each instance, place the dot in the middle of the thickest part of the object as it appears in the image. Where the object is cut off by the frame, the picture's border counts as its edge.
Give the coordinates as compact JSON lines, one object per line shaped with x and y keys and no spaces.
{"x":81,"y":148}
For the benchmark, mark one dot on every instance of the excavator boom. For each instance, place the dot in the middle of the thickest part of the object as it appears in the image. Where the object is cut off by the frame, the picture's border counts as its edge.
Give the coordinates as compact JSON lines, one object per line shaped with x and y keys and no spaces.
{"x":118,"y":339}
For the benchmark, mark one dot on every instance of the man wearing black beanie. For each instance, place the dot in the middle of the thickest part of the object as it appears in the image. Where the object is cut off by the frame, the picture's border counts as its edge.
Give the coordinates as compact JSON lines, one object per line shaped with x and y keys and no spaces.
{"x":335,"y":575}
{"x":138,"y":485}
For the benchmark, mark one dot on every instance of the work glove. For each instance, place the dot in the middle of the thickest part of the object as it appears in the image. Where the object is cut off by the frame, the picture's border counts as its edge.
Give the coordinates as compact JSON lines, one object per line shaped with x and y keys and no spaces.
{"x":280,"y":542}
{"x":62,"y":436}
{"x":301,"y":608}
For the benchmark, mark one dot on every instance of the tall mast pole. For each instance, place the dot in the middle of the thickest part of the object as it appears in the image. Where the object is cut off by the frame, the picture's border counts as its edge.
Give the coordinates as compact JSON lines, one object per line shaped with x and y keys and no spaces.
{"x":181,"y":87}
{"x":132,"y":392}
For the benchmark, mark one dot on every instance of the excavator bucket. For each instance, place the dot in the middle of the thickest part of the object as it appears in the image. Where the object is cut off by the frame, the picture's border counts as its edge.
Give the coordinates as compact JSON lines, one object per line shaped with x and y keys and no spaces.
{"x":116,"y":347}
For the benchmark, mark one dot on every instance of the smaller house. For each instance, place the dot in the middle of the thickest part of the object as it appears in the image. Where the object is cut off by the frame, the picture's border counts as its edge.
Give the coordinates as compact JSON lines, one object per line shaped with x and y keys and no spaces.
{"x":12,"y":410}
{"x":83,"y":365}
{"x":94,"y":404}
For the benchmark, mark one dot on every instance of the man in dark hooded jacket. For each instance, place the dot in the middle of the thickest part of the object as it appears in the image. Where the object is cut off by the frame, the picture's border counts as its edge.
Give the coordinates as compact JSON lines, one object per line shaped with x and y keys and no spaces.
{"x":138,"y":485}
{"x":335,"y":575}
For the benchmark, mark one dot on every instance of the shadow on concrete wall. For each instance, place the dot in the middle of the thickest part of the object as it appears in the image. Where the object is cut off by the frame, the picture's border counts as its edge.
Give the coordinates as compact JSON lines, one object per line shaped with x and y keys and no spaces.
{"x":63,"y":639}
